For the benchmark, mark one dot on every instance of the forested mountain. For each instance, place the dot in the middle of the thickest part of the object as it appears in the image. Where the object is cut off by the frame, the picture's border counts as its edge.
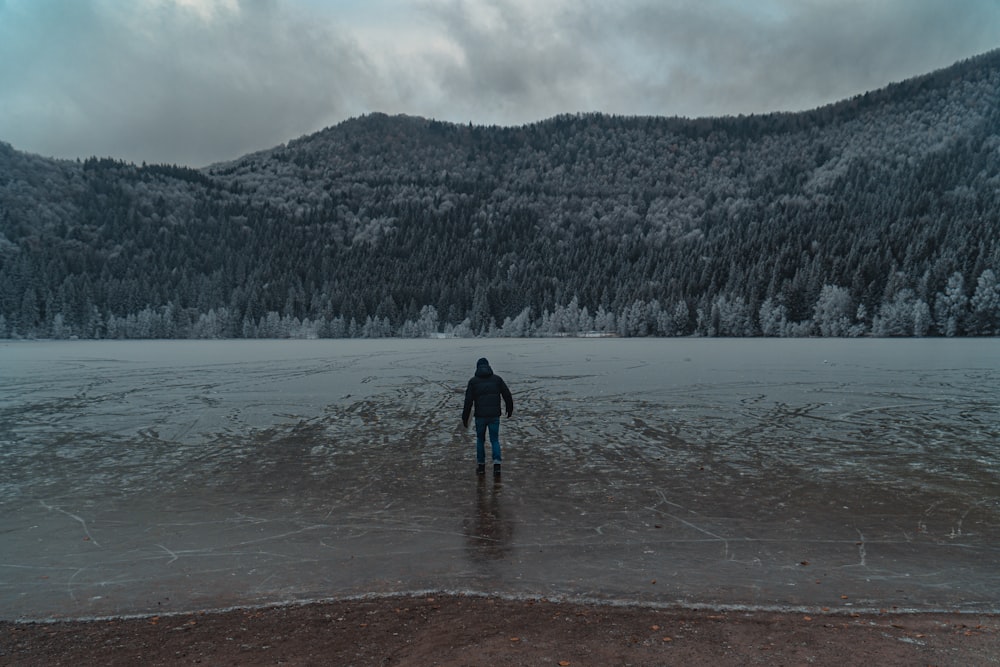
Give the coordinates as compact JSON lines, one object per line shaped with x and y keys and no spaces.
{"x":876,"y":215}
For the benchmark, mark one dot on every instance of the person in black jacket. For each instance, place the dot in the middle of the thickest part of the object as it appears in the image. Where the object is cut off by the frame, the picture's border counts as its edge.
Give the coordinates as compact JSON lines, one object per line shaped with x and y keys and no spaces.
{"x":485,"y":390}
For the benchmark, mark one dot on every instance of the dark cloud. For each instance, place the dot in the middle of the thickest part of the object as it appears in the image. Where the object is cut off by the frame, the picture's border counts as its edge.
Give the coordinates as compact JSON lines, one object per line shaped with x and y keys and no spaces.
{"x":512,"y":66}
{"x":155,"y":80}
{"x":704,"y":58}
{"x":159,"y":83}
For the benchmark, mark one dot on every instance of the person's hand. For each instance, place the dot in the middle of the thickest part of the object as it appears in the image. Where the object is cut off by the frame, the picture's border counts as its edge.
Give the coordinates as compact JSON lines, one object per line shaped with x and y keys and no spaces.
{"x":509,"y":413}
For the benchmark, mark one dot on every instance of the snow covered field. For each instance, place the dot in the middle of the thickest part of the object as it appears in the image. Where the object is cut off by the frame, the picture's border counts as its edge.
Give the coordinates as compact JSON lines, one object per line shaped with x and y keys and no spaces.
{"x":175,"y":475}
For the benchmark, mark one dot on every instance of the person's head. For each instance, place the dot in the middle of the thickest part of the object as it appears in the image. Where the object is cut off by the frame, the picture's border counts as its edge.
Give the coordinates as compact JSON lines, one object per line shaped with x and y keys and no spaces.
{"x":483,"y":367}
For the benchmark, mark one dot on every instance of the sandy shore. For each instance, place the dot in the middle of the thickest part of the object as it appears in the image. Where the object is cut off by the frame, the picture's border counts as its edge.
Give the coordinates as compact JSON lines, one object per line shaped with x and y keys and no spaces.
{"x":452,"y":631}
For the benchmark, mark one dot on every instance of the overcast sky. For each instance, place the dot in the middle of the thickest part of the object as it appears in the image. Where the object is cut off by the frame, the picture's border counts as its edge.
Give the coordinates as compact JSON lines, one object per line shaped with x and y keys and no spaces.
{"x":197,"y":81}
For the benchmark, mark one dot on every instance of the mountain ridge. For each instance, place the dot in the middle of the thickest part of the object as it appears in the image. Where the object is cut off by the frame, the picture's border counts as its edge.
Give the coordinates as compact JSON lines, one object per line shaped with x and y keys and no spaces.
{"x":873,"y":215}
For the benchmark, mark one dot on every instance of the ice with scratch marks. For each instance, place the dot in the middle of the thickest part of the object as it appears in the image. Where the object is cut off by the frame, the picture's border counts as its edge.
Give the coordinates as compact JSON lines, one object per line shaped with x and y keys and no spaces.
{"x":153,"y":477}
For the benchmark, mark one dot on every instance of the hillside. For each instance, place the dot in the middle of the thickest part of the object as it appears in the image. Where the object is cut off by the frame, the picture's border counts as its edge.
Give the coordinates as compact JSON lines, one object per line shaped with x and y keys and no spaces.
{"x":876,"y":215}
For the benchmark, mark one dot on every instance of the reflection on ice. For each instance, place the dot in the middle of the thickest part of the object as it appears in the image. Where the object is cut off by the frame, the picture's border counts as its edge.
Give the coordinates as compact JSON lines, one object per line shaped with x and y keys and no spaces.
{"x":146,"y":477}
{"x":489,"y":533}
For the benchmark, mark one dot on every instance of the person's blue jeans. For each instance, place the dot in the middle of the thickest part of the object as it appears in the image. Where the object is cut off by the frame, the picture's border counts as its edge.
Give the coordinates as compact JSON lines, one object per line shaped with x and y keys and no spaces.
{"x":493,"y":424}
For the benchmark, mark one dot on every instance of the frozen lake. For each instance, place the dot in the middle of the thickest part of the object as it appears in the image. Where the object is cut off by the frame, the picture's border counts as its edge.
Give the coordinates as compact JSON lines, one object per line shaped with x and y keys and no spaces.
{"x":149,"y":477}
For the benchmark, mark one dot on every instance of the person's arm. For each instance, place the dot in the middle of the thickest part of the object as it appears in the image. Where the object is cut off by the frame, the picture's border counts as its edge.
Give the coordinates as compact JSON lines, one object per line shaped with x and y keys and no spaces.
{"x":467,"y":408}
{"x":508,"y":399}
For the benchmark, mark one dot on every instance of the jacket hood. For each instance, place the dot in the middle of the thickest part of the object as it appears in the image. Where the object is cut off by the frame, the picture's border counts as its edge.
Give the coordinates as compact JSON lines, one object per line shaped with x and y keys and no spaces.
{"x":483,"y":368}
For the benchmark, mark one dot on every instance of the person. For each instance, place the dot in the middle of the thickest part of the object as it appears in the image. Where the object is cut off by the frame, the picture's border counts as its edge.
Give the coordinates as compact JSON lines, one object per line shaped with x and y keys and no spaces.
{"x":484,"y":391}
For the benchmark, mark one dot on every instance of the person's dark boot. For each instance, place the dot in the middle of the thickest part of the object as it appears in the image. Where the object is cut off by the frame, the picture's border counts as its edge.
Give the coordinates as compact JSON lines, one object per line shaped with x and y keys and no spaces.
{"x":481,"y":469}
{"x":496,"y":469}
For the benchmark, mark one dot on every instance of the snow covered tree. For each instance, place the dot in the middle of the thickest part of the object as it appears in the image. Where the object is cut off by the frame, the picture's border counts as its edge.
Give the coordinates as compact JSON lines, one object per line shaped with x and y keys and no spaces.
{"x":731,"y":317}
{"x":921,"y":318}
{"x":773,"y":317}
{"x":427,"y":324}
{"x":984,"y":320}
{"x":518,"y":326}
{"x":904,"y":315}
{"x":59,"y":329}
{"x":632,"y":322}
{"x":951,"y":307}
{"x":376,"y":327}
{"x":585,"y":322}
{"x":480,"y":319}
{"x":605,"y":321}
{"x":833,"y":311}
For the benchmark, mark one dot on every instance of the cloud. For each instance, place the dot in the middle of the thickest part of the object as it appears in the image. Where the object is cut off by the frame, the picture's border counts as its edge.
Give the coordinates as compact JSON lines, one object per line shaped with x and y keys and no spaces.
{"x":689,"y":57}
{"x":168,"y":81}
{"x":196,"y":81}
{"x":509,"y":62}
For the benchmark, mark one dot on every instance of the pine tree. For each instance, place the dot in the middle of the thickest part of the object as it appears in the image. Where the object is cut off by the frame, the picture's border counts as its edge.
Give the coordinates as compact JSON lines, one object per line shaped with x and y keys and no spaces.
{"x":950,"y":307}
{"x":984,"y":319}
{"x":833,"y":311}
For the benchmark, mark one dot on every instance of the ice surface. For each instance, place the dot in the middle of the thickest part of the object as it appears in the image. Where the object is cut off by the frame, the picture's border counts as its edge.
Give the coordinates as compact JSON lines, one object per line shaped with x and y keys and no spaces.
{"x":149,"y":477}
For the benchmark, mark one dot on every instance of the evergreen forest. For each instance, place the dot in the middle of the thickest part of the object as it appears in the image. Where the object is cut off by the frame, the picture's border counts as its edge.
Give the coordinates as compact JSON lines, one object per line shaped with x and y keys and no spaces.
{"x":877,"y":215}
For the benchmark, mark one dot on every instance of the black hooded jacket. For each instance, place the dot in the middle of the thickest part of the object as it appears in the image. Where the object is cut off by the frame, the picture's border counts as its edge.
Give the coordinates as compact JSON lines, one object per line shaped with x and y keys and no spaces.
{"x":484,"y":391}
